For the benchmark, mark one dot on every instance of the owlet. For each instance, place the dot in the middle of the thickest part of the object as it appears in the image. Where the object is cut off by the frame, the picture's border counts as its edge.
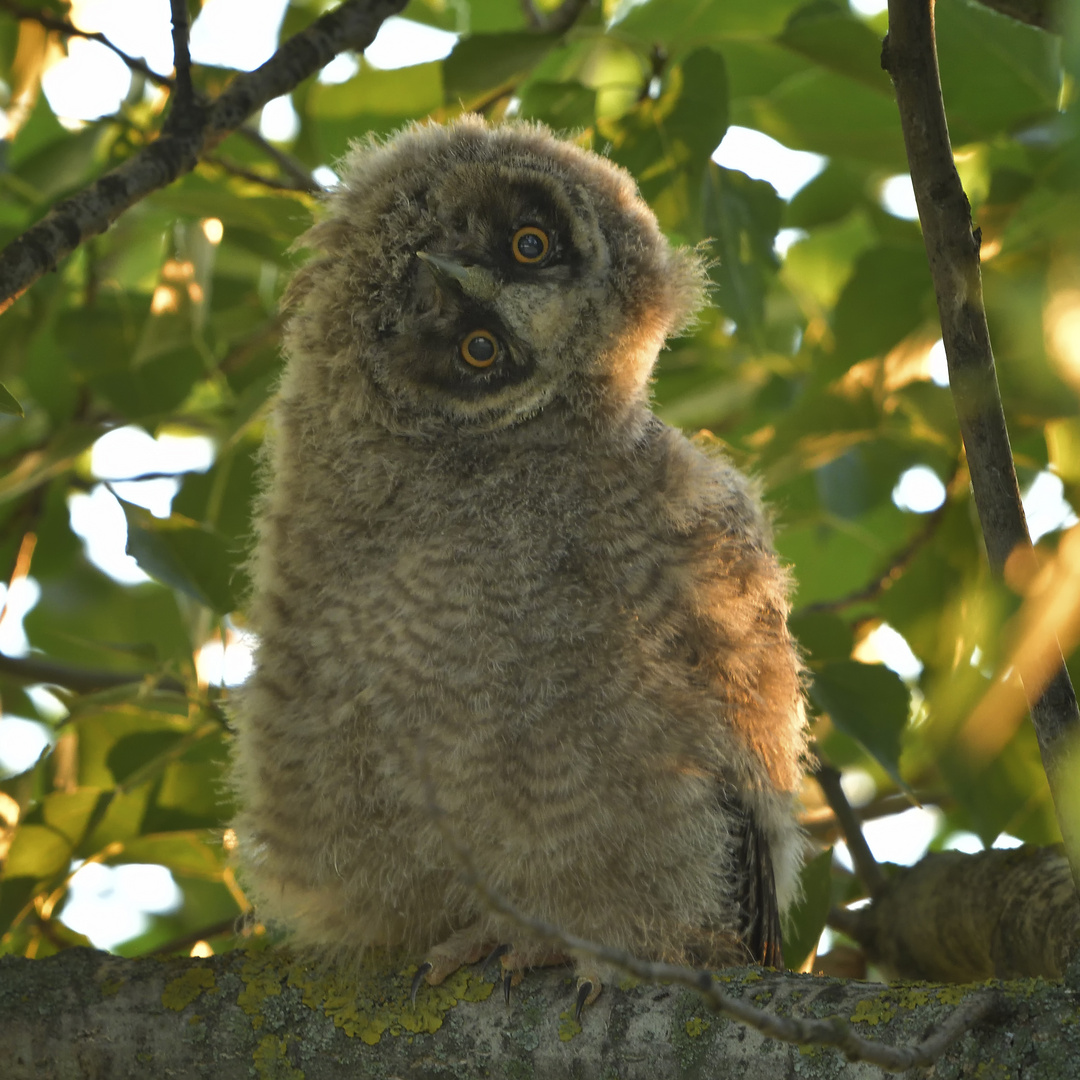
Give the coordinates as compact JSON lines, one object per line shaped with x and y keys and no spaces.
{"x":488,"y":578}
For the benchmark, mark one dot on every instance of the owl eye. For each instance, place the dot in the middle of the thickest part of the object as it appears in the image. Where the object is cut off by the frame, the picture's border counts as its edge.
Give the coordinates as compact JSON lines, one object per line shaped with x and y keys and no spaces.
{"x":530,"y":245}
{"x":479,"y":349}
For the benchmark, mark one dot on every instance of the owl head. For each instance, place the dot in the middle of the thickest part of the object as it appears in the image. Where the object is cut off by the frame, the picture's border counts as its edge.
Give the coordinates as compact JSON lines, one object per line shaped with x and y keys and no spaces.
{"x":473,"y":277}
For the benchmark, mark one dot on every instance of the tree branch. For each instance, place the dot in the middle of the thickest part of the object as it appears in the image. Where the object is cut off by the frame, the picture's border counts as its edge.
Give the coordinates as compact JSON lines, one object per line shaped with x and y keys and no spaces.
{"x":62,"y":26}
{"x":866,"y":866}
{"x":29,"y":670}
{"x":245,"y":1012}
{"x":353,"y":25}
{"x":185,"y":112}
{"x":952,"y":246}
{"x":955,"y":917}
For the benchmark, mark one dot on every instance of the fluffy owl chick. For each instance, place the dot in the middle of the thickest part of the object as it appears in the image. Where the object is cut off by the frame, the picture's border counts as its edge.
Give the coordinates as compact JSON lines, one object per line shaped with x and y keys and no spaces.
{"x":486,"y":574}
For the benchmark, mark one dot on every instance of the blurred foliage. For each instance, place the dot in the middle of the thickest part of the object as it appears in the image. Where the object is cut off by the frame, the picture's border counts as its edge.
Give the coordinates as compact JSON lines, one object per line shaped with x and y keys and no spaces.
{"x":813,"y":370}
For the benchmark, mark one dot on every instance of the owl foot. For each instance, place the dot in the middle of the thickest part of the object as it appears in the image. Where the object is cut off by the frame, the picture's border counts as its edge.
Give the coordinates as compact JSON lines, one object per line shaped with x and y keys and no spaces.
{"x":466,"y":947}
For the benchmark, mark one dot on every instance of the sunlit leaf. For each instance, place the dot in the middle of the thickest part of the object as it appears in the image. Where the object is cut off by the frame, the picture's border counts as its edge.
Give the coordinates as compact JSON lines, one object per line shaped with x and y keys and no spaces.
{"x":8,"y":403}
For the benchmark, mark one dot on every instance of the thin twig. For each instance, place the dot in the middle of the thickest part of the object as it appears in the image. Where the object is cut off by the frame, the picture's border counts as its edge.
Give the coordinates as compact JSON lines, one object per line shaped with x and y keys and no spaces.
{"x":351,"y":25}
{"x":62,"y":26}
{"x":832,"y":1031}
{"x":304,"y":180}
{"x":899,"y":563}
{"x":257,"y":178}
{"x":822,"y":823}
{"x":184,"y":110}
{"x":909,"y":55}
{"x":866,"y":866}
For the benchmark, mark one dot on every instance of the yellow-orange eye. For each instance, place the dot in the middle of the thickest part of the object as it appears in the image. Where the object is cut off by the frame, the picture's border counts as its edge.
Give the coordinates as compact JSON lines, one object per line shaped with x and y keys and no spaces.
{"x":479,"y":349}
{"x":530,"y":244}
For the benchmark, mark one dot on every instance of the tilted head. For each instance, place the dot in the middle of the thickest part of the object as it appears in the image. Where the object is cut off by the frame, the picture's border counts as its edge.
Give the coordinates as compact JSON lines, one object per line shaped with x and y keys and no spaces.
{"x":474,"y":275}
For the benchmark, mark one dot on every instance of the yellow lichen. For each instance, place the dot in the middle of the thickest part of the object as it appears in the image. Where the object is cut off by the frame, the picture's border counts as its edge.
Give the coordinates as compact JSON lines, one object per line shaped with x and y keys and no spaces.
{"x":261,"y":980}
{"x":568,"y":1026}
{"x":111,"y":986}
{"x":873,"y":1011}
{"x":375,"y":999}
{"x":696,"y":1026}
{"x":182,"y":991}
{"x":271,"y":1061}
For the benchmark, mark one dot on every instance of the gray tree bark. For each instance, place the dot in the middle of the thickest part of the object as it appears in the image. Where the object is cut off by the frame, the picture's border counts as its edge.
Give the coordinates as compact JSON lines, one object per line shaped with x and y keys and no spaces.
{"x":263,"y":1014}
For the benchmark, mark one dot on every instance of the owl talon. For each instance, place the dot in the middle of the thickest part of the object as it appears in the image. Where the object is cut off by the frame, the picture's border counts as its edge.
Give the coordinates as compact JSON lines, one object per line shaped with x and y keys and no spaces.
{"x":495,"y":954}
{"x":418,"y":978}
{"x":508,"y":981}
{"x":585,"y":988}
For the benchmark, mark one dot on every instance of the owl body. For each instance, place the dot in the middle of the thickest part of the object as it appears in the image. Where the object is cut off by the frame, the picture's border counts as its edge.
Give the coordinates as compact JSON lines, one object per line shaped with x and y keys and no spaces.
{"x":508,"y":588}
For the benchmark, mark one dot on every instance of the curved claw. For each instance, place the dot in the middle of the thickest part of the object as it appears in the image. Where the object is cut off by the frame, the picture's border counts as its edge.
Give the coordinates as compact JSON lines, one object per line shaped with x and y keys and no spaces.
{"x":495,"y":954}
{"x":585,"y":988}
{"x":418,"y":978}
{"x":508,"y":979}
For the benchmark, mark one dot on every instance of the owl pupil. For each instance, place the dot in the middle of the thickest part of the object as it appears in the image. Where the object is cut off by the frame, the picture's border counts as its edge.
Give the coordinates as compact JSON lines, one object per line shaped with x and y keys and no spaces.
{"x":530,"y":246}
{"x":481,"y":349}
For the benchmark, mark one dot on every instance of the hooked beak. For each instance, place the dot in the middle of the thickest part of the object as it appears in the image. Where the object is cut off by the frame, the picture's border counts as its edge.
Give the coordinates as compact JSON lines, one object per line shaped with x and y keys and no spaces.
{"x":473,"y":281}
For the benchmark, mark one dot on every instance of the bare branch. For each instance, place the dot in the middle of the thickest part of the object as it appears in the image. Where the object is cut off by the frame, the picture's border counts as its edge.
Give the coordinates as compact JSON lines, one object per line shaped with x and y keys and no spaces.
{"x":958,"y":917}
{"x":62,"y":26}
{"x":353,"y":25}
{"x":866,"y":866}
{"x":183,"y":109}
{"x":952,"y":246}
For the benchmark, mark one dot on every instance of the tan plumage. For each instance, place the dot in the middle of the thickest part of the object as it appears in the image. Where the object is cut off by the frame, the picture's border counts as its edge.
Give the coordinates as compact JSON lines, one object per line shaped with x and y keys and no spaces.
{"x":574,"y":612}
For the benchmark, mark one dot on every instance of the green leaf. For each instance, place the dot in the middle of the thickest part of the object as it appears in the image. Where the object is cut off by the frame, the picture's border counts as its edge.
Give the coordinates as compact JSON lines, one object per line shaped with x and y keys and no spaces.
{"x":822,"y":636}
{"x":485,"y":62}
{"x":667,"y":143}
{"x":744,"y":216}
{"x":84,"y":618}
{"x":38,"y":852}
{"x":132,"y":752}
{"x":182,"y":852}
{"x":889,"y":295}
{"x":103,"y":342}
{"x":996,"y":73}
{"x":806,"y":917}
{"x":371,"y":101}
{"x":682,"y":24}
{"x":868,"y":702}
{"x":8,"y":402}
{"x":185,"y":555}
{"x":834,"y":38}
{"x":830,"y":114}
{"x":564,"y":106}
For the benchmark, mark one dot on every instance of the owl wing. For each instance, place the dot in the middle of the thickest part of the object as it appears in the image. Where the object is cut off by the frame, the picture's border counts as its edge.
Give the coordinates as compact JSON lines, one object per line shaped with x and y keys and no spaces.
{"x":755,"y":895}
